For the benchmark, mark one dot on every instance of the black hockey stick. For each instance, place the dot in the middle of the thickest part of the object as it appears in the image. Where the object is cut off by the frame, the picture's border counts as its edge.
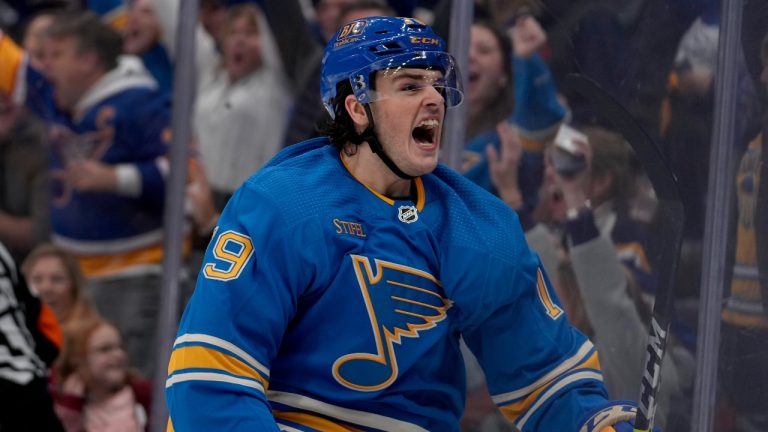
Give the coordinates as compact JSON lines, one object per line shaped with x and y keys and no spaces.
{"x":672,"y":217}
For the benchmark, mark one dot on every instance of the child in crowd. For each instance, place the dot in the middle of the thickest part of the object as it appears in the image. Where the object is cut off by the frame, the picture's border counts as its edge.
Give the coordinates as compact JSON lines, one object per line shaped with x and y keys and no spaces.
{"x":93,"y":387}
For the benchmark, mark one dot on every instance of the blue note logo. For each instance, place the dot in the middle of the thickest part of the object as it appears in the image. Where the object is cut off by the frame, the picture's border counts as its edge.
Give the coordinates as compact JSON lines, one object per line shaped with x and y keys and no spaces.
{"x":402,"y":302}
{"x":71,"y":148}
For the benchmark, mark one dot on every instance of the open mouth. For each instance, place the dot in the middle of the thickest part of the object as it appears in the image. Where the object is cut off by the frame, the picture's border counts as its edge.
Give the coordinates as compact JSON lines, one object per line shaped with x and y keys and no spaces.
{"x":473,"y":79}
{"x":132,"y":36}
{"x":238,"y":58}
{"x":426,"y":132}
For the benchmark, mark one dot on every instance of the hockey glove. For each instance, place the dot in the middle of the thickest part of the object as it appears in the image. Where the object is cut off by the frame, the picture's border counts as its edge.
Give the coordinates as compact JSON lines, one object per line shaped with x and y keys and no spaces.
{"x":625,"y":426}
{"x":617,"y":417}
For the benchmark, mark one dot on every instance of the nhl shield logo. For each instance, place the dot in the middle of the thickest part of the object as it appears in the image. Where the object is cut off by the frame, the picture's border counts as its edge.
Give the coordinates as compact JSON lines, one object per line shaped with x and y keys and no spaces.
{"x":407,"y":214}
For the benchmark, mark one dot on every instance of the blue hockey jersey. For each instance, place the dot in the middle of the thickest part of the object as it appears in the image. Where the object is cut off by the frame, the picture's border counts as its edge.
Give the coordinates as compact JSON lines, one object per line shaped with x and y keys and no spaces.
{"x":122,"y":121}
{"x":323,"y":305}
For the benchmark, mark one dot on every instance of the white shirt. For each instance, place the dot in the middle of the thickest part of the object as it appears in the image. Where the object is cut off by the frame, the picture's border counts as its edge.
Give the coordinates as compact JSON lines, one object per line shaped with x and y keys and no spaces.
{"x":241,"y":125}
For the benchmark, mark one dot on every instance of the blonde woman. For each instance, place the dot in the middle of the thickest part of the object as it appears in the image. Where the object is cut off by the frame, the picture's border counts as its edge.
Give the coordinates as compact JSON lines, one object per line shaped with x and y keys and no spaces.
{"x":55,"y":276}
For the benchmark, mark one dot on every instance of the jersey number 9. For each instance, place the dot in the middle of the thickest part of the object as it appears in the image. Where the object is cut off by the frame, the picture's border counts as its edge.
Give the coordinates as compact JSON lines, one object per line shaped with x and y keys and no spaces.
{"x":231,"y":252}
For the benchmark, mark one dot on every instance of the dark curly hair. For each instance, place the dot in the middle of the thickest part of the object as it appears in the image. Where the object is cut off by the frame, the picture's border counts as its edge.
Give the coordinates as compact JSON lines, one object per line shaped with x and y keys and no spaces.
{"x":340,"y":130}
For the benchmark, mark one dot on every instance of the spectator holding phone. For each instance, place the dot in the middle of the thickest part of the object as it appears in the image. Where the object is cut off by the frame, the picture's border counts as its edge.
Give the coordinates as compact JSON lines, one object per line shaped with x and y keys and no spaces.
{"x":587,"y":190}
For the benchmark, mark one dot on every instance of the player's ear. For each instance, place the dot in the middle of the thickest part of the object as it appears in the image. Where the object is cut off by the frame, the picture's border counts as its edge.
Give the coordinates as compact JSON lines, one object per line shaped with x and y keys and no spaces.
{"x":356,"y":112}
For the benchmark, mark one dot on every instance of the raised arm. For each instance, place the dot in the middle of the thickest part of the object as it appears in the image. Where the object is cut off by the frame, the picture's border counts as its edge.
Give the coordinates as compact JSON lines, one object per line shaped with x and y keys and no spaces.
{"x":297,"y":46}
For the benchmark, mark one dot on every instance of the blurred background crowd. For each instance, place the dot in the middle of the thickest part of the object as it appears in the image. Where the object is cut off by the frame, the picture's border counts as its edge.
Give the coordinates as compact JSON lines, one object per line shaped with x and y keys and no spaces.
{"x":85,"y":133}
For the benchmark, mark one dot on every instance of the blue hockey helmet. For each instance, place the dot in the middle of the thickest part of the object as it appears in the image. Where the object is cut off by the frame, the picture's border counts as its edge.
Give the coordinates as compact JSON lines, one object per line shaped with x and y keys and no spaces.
{"x":372,"y":44}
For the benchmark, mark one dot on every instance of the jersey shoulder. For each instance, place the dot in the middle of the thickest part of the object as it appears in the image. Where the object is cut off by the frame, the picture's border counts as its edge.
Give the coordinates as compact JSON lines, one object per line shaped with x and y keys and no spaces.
{"x":302,"y":181}
{"x":473,"y":217}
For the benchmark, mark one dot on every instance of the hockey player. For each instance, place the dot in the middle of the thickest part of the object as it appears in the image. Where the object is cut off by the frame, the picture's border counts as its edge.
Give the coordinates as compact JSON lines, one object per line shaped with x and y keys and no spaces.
{"x":342,"y":275}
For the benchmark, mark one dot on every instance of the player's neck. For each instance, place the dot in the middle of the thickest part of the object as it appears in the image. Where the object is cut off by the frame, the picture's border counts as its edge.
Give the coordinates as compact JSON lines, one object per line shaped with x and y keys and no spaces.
{"x":370,"y":170}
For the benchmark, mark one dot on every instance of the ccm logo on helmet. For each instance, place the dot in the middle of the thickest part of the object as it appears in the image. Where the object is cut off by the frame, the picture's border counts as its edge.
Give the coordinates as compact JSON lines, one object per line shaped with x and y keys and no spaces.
{"x":424,"y":40}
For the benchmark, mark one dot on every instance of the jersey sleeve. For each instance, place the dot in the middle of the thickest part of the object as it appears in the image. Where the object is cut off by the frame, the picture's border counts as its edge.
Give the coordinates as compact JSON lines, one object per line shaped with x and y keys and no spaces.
{"x":541,"y":372}
{"x":151,"y":120}
{"x":538,"y":112}
{"x":12,"y":64}
{"x":112,"y":12}
{"x":246,"y":294}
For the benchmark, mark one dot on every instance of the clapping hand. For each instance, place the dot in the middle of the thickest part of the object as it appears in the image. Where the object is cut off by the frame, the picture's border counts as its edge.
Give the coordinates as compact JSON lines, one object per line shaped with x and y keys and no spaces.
{"x":89,"y":175}
{"x":527,"y":36}
{"x":504,"y":164}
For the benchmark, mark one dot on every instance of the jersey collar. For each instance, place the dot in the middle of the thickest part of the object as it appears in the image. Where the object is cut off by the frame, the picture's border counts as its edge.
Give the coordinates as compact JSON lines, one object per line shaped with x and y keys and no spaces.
{"x":417,"y":181}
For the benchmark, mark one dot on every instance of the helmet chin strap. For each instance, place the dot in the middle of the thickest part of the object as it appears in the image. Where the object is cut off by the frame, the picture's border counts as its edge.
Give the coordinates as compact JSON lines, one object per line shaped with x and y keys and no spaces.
{"x":369,"y":135}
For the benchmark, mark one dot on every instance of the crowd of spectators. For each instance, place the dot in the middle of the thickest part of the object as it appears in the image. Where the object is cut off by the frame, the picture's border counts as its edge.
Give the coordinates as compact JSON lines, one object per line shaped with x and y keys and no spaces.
{"x":85,"y":115}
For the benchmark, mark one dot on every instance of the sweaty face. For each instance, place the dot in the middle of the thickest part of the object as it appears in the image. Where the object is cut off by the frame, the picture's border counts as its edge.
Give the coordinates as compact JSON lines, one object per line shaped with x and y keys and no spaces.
{"x":65,"y":67}
{"x":106,"y":361}
{"x":486,"y":71}
{"x":50,"y":279}
{"x":142,"y":29}
{"x":408,"y":116}
{"x":242,"y":48}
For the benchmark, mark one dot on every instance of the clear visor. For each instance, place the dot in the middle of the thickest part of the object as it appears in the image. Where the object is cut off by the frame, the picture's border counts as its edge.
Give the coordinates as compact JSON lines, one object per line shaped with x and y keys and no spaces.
{"x":409,"y":74}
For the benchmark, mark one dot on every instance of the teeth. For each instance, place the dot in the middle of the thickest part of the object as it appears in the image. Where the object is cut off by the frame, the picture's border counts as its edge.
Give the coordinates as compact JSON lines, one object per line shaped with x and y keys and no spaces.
{"x":428,"y":124}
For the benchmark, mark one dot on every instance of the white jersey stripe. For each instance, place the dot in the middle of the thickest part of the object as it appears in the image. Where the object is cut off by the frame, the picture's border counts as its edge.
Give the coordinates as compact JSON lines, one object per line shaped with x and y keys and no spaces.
{"x":211,"y":376}
{"x":284,"y":428}
{"x":562,"y":368}
{"x":578,"y":376}
{"x":221,"y":343}
{"x":362,"y":418}
{"x":20,"y":85}
{"x":100,"y":247}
